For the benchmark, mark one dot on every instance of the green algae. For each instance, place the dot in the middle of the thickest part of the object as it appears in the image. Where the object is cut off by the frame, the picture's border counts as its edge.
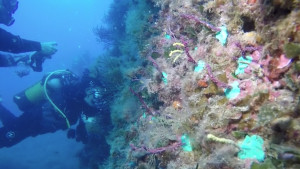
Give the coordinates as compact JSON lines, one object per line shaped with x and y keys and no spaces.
{"x":292,"y":50}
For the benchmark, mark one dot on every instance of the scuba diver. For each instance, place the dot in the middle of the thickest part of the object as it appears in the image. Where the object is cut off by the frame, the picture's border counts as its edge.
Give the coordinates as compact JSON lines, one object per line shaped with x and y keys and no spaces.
{"x":60,"y":101}
{"x":15,"y":44}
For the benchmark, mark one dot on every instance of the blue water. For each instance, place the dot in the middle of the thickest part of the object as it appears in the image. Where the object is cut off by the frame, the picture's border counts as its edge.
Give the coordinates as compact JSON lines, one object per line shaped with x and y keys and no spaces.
{"x":70,"y":23}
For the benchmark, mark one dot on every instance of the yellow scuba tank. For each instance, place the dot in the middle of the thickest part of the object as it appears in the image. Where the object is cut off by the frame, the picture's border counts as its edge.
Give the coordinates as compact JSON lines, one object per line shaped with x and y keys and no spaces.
{"x":30,"y":97}
{"x":37,"y":93}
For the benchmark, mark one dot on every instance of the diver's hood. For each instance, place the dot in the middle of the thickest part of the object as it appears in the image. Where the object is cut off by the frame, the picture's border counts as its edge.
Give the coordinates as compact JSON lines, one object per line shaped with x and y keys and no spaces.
{"x":7,"y":8}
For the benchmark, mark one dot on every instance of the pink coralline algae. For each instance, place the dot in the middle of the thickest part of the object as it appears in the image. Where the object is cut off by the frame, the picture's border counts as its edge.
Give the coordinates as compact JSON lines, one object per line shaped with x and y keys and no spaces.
{"x":283,"y":61}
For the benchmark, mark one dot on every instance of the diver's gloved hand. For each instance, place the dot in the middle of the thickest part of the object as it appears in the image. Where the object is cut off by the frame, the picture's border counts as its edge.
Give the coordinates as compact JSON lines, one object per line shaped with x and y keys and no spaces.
{"x":80,"y":134}
{"x":37,"y":59}
{"x":71,"y":134}
{"x":48,"y":48}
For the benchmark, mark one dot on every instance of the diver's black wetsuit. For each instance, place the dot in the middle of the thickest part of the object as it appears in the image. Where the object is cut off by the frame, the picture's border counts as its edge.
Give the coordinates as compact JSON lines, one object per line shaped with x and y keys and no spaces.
{"x":15,"y":44}
{"x":39,"y":118}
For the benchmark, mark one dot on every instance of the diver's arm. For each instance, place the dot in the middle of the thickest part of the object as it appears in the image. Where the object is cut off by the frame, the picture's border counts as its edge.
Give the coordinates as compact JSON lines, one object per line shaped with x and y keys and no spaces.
{"x":9,"y":59}
{"x":15,"y":44}
{"x":6,"y":60}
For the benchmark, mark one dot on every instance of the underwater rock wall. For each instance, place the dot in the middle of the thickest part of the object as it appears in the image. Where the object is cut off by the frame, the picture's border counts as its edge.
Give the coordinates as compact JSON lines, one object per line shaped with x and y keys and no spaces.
{"x":208,"y":84}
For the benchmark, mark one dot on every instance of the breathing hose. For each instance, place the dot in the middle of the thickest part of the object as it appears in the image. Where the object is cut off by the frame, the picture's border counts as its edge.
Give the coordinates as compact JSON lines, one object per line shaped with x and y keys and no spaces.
{"x":50,"y":100}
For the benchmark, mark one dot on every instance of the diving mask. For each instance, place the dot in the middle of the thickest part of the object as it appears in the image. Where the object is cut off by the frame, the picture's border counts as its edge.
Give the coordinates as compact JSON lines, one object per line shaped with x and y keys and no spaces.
{"x":10,"y":5}
{"x":7,"y":8}
{"x":93,"y":96}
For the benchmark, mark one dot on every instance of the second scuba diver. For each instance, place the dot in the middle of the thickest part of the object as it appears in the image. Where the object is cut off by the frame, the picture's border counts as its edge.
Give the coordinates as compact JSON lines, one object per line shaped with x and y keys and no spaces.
{"x":11,"y":44}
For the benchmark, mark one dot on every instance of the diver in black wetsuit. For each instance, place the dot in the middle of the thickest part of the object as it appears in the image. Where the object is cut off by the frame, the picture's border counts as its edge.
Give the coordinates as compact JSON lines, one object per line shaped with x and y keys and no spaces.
{"x":14,"y":44}
{"x":57,"y":102}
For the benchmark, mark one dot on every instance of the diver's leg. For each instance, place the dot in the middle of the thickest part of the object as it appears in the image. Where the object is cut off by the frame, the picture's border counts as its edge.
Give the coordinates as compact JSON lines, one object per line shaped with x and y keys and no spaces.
{"x":10,"y":137}
{"x":22,"y":127}
{"x":6,"y":116}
